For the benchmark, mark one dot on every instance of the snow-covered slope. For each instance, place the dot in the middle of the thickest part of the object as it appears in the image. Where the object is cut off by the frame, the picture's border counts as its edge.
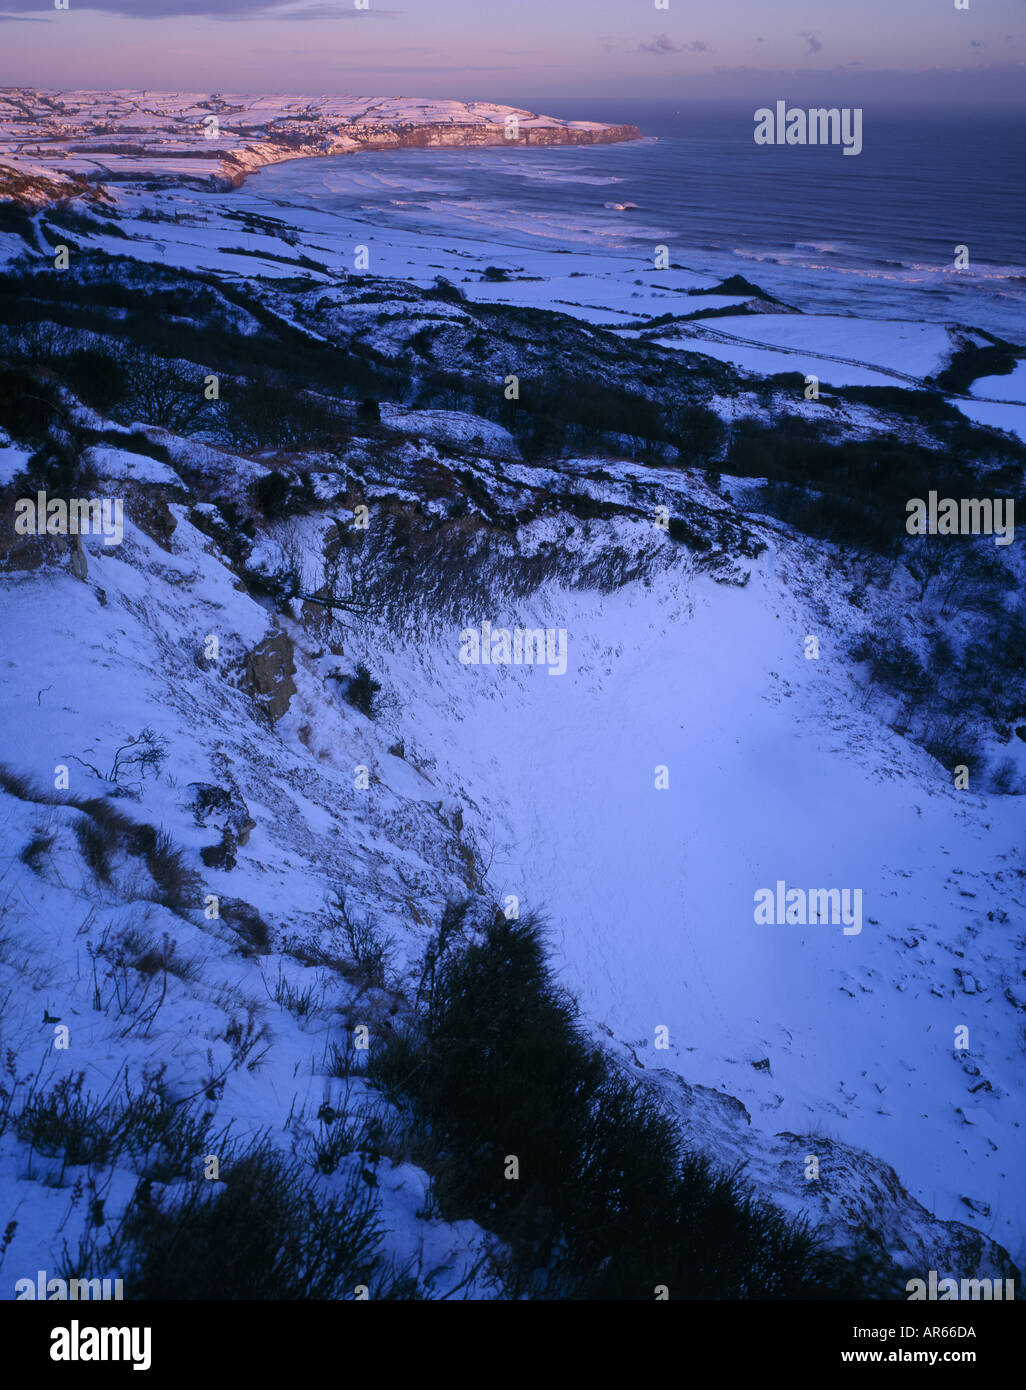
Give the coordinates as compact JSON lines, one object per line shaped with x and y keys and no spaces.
{"x":252,"y":1031}
{"x":502,"y":780}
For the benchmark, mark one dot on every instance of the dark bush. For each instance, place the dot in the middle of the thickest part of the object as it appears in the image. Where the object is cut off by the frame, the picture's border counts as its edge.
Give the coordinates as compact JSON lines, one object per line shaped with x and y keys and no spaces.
{"x":29,"y":405}
{"x":16,"y":218}
{"x":244,"y":919}
{"x":362,"y":690}
{"x":98,"y":376}
{"x":96,"y":845}
{"x":34,"y":852}
{"x":271,"y":492}
{"x":609,"y":1202}
{"x":266,"y":1231}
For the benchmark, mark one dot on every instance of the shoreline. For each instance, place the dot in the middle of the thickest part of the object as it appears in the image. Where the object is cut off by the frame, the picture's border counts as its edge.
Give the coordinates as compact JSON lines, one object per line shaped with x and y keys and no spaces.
{"x":610,"y":135}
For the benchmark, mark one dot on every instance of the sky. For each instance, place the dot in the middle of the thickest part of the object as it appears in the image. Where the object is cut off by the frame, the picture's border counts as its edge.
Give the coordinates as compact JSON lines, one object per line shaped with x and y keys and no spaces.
{"x":523,"y":51}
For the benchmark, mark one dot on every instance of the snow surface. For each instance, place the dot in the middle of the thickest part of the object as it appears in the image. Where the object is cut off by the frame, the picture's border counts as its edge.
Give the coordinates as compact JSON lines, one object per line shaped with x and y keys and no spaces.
{"x":774,"y":774}
{"x":839,"y":351}
{"x":1011,"y":387}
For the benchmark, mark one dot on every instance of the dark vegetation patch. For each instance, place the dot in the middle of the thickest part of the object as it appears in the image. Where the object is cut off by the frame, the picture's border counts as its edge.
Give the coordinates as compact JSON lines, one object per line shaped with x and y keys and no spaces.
{"x":304,"y":261}
{"x":67,"y":216}
{"x":929,"y":407}
{"x":137,"y":315}
{"x":997,"y":358}
{"x":738,"y":285}
{"x":362,"y":690}
{"x":266,"y":1231}
{"x":944,"y":694}
{"x":855,"y":491}
{"x":15,"y":217}
{"x":723,"y":312}
{"x":608,"y":1202}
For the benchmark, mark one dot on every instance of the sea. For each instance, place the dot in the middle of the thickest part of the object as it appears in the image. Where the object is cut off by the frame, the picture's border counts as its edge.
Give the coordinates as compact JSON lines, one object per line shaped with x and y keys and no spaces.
{"x":875,"y":235}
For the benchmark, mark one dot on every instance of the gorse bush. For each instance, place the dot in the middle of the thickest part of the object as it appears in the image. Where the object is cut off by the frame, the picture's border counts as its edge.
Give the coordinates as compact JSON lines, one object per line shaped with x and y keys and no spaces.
{"x":609,"y":1202}
{"x":362,"y":690}
{"x":266,"y":1231}
{"x":160,"y":1136}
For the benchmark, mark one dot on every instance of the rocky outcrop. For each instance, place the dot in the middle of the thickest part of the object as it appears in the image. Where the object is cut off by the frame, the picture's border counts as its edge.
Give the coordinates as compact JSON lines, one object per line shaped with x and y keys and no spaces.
{"x":268,"y":672}
{"x":151,"y":513}
{"x":226,"y":809}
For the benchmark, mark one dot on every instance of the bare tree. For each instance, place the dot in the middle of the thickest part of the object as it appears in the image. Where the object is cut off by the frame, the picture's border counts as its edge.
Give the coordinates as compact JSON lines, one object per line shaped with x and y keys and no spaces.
{"x":160,"y":394}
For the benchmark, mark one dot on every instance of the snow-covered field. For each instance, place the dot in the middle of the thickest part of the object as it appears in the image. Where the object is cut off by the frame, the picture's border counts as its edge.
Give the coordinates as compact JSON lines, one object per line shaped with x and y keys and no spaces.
{"x":839,"y":351}
{"x":1005,"y":405}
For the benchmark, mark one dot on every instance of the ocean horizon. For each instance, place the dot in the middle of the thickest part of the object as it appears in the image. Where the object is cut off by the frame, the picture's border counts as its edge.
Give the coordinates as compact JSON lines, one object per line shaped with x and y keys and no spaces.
{"x":874,"y":235}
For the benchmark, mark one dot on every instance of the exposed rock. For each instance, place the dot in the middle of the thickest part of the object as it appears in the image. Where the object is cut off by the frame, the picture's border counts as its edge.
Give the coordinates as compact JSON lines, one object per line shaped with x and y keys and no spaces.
{"x":152,"y":515}
{"x":225,"y":808}
{"x":222,"y":855}
{"x":268,"y":672}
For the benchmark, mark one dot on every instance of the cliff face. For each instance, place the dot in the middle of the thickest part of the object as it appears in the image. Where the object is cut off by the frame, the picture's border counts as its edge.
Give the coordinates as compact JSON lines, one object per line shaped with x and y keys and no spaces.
{"x":51,"y":142}
{"x":238,"y":164}
{"x":480,"y":133}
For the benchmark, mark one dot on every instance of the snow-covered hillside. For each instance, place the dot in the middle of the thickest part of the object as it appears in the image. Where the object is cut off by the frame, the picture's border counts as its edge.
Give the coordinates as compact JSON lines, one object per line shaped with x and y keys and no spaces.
{"x":509,"y":781}
{"x":712,"y":731}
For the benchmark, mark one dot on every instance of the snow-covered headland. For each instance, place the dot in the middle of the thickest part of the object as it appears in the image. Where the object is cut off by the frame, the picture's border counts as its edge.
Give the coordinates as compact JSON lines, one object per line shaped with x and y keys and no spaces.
{"x":55,"y":143}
